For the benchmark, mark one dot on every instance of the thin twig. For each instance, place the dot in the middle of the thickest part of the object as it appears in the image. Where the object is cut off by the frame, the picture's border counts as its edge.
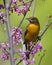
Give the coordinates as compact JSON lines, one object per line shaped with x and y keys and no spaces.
{"x":17,"y":52}
{"x":41,"y":59}
{"x":19,"y":62}
{"x":24,"y":3}
{"x":33,"y":8}
{"x":45,"y":29}
{"x":10,"y":3}
{"x":21,"y":21}
{"x":4,"y":3}
{"x":8,"y":52}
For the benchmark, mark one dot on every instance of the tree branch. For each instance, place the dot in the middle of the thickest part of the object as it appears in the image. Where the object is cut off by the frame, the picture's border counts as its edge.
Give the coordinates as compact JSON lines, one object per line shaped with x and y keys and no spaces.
{"x":19,"y":62}
{"x":9,"y":32}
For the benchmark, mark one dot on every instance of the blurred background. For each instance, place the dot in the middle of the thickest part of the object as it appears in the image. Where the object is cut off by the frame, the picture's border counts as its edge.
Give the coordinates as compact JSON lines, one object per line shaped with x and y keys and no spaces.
{"x":42,"y":11}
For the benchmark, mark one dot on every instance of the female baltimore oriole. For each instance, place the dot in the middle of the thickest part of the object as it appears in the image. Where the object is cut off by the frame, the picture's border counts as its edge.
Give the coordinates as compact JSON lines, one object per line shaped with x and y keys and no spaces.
{"x":31,"y":33}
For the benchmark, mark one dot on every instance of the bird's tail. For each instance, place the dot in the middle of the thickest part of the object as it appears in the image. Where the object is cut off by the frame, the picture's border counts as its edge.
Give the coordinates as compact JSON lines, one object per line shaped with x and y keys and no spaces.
{"x":28,"y":49}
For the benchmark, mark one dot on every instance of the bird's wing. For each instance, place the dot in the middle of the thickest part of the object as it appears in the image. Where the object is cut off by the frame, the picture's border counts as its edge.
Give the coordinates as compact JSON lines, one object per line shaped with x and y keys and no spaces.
{"x":25,"y":32}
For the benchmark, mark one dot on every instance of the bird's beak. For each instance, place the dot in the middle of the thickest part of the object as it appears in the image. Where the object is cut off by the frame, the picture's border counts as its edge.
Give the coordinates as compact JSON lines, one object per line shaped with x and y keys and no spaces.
{"x":28,"y":19}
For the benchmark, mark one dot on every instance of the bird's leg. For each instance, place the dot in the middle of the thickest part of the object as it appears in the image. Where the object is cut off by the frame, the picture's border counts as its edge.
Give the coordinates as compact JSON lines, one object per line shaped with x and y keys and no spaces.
{"x":39,"y":37}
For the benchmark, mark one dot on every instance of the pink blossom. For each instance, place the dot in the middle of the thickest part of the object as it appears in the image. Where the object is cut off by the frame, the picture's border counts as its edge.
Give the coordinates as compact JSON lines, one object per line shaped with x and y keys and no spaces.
{"x":36,"y":48}
{"x":8,"y":45}
{"x":16,"y":34}
{"x":25,"y":7}
{"x":3,"y":45}
{"x":33,"y":51}
{"x":24,"y":57}
{"x":39,"y":46}
{"x":14,"y":1}
{"x":14,"y":59}
{"x":19,"y":50}
{"x":1,"y":14}
{"x":30,"y":43}
{"x":30,"y":61}
{"x":3,"y":50}
{"x":21,"y":1}
{"x":1,"y":6}
{"x":17,"y":10}
{"x":5,"y":56}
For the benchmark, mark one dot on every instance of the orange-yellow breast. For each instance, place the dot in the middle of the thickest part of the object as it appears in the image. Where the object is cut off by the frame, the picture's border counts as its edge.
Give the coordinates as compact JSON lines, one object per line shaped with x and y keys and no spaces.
{"x":32,"y":32}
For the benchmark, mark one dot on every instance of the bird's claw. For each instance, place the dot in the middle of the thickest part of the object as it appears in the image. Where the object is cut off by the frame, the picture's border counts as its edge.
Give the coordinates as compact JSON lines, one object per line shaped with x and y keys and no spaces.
{"x":39,"y":37}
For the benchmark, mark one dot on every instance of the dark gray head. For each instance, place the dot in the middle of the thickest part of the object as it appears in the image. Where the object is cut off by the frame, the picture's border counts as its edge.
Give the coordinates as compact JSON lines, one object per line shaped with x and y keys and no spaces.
{"x":33,"y":20}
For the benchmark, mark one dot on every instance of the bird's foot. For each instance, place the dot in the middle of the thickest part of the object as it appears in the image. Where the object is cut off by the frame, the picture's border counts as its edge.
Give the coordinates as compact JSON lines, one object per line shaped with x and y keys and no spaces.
{"x":39,"y":37}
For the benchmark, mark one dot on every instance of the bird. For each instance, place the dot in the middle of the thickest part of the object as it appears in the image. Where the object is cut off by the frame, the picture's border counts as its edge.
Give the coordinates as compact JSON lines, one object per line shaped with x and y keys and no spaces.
{"x":31,"y":32}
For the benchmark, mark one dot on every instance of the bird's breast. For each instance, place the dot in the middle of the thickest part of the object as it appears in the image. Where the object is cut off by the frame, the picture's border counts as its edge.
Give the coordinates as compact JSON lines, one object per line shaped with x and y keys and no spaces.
{"x":32,"y":33}
{"x":32,"y":28}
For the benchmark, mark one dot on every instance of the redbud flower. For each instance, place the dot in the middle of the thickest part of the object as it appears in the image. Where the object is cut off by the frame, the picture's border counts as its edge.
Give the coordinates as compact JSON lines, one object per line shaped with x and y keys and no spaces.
{"x":24,"y":57}
{"x":36,"y":48}
{"x":3,"y":50}
{"x":18,"y":11}
{"x":3,"y":45}
{"x":16,"y":34}
{"x":8,"y":45}
{"x":1,"y":14}
{"x":33,"y":51}
{"x":5,"y":56}
{"x":39,"y":46}
{"x":19,"y":50}
{"x":30,"y":61}
{"x":14,"y":59}
{"x":1,"y":6}
{"x":30,"y":43}
{"x":14,"y":1}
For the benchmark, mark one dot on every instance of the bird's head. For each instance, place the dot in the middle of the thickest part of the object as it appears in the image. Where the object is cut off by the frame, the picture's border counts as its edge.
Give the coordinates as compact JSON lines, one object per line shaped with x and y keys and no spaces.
{"x":32,"y":20}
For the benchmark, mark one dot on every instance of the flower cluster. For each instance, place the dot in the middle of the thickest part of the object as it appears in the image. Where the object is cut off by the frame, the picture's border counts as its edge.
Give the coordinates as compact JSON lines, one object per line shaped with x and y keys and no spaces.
{"x":1,"y":6}
{"x":5,"y":55}
{"x":22,"y":9}
{"x":35,"y":49}
{"x":28,"y":61}
{"x":1,"y":17}
{"x":16,"y":35}
{"x":19,"y":9}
